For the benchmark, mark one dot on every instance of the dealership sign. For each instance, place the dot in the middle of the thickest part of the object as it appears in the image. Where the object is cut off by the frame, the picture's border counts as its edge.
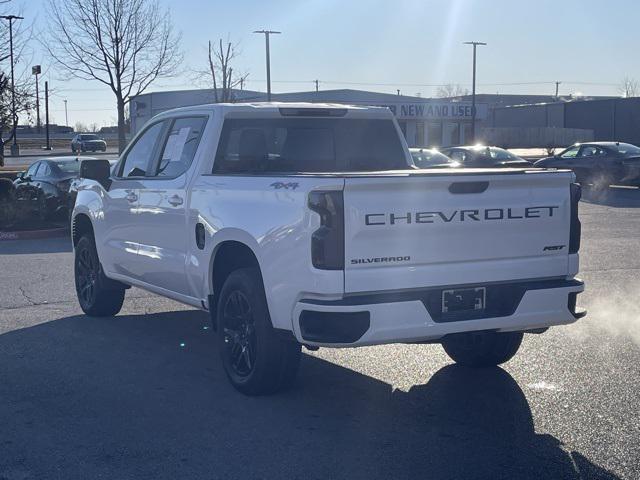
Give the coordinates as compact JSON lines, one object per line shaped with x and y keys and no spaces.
{"x":437,"y":111}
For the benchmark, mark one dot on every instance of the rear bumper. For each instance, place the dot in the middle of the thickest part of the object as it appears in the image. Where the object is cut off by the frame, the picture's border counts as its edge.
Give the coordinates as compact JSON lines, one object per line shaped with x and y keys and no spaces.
{"x":414,"y":316}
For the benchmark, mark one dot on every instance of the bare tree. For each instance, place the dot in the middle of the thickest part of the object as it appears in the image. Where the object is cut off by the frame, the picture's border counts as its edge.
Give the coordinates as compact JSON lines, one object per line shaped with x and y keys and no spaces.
{"x":629,"y":87}
{"x":124,"y":44}
{"x":80,"y":127}
{"x":451,"y":90}
{"x":223,"y":76}
{"x":25,"y":96}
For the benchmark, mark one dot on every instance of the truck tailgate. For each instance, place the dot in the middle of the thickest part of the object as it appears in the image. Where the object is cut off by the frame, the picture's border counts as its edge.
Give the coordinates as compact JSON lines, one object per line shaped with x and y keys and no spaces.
{"x":435,"y":230}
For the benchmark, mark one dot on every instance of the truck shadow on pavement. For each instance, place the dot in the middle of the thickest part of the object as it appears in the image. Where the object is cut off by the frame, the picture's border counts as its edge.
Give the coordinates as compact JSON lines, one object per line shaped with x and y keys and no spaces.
{"x":144,"y":396}
{"x":25,"y":247}
{"x":612,"y":197}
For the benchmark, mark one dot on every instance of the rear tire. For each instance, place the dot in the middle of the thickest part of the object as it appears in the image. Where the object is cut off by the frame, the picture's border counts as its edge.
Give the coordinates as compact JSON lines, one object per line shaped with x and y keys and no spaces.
{"x":482,"y":349}
{"x":98,"y":296}
{"x":256,"y":359}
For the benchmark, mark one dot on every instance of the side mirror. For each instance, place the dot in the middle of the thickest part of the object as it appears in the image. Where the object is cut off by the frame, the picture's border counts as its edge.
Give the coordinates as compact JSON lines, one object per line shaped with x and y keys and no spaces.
{"x":98,"y":170}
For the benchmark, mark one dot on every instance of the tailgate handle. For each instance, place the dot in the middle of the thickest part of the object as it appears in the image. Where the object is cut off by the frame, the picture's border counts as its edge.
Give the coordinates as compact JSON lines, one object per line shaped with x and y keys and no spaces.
{"x":468,"y":187}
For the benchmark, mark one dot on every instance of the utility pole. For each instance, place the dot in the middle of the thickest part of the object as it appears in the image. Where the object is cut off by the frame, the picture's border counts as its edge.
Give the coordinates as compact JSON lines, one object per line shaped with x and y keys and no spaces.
{"x":557,"y":85}
{"x":266,"y":39}
{"x":15,"y":149}
{"x":398,"y":90}
{"x":36,"y":70}
{"x":46,"y":115}
{"x":66,"y":116}
{"x":242,"y":83}
{"x":317,"y":85}
{"x":473,"y":91}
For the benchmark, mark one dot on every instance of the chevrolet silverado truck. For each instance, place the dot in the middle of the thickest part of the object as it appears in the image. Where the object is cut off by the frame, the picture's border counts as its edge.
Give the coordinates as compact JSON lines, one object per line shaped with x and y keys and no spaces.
{"x":308,"y":225}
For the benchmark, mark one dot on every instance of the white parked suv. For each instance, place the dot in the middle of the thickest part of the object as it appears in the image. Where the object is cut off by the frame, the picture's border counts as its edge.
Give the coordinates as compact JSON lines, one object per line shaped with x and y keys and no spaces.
{"x":307,"y":224}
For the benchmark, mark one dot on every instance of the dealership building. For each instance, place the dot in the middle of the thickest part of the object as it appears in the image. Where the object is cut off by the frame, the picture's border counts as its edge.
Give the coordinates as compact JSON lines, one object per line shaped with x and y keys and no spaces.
{"x":424,"y":121}
{"x":502,"y":119}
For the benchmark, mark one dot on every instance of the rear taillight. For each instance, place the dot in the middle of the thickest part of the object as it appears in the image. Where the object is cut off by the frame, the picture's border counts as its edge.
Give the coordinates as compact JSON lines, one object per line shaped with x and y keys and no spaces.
{"x":575,"y":229}
{"x":327,"y":242}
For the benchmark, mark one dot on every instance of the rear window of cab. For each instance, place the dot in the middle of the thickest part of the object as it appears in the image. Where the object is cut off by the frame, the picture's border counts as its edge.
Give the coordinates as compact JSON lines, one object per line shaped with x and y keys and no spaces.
{"x":299,"y":145}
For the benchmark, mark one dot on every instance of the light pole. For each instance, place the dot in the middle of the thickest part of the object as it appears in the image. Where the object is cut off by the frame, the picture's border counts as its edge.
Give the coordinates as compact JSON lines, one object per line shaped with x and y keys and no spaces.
{"x":15,"y":150}
{"x":473,"y":91}
{"x":66,"y":116}
{"x":36,"y":70}
{"x":266,"y":39}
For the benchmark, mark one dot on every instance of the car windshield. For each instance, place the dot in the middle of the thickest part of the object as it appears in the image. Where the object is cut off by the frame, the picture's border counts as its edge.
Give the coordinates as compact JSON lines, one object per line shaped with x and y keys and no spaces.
{"x":68,"y":166}
{"x":429,"y":157}
{"x":628,"y":150}
{"x":89,"y":137}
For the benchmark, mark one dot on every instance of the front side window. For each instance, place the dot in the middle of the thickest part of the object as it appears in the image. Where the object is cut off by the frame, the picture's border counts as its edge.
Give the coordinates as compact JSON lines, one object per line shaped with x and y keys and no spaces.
{"x":140,"y":156}
{"x":570,"y":152}
{"x":591,"y":151}
{"x":180,"y":147}
{"x":501,"y":154}
{"x":458,"y":155}
{"x":291,"y":145}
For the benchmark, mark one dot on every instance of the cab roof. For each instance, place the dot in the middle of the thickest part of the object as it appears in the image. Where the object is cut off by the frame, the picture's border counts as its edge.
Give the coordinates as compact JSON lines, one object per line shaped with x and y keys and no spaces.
{"x":302,"y":109}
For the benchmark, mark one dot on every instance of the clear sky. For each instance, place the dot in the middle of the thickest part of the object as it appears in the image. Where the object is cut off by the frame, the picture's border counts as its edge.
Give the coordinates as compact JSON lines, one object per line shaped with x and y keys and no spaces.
{"x":588,"y":45}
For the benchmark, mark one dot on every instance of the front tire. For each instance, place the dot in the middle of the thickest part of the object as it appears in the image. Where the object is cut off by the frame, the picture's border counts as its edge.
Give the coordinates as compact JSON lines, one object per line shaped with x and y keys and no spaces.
{"x":482,"y":349}
{"x":256,"y":359}
{"x":98,"y":296}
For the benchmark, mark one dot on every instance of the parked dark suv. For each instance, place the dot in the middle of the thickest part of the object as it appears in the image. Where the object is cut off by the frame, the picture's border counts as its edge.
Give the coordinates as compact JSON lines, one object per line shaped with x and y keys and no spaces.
{"x":84,"y":142}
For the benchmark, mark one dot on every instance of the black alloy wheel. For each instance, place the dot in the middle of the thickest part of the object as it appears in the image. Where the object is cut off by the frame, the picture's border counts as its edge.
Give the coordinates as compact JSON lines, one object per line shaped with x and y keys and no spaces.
{"x":87,"y":273}
{"x":239,"y":334}
{"x":257,"y":359}
{"x":98,"y":295}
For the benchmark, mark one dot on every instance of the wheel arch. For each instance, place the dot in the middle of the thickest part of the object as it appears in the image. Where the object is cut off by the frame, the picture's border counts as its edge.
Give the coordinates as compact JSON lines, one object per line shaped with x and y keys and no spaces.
{"x":81,"y":225}
{"x":227,"y":256}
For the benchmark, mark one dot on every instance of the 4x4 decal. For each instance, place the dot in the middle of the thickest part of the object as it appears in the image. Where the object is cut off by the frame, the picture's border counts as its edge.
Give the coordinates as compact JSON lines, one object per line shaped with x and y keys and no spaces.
{"x":286,"y":186}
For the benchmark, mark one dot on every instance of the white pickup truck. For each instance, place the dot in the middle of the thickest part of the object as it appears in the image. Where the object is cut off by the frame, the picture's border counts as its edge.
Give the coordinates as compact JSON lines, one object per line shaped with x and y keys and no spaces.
{"x":307,"y":224}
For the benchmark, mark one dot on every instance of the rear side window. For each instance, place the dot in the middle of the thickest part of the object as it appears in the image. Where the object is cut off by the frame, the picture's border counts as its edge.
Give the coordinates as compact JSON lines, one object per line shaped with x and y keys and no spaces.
{"x":180,"y":147}
{"x":291,"y":145}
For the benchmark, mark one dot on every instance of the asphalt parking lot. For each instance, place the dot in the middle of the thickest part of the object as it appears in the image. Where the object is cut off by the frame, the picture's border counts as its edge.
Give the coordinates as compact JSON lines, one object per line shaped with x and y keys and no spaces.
{"x":143,"y":395}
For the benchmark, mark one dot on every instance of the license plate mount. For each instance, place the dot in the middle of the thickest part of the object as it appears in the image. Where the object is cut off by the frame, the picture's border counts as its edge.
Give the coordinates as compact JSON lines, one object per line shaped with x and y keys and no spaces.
{"x":467,"y":300}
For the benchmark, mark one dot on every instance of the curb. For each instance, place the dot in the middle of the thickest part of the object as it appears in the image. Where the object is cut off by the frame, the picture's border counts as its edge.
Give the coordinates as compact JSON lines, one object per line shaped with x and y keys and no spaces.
{"x":33,"y":234}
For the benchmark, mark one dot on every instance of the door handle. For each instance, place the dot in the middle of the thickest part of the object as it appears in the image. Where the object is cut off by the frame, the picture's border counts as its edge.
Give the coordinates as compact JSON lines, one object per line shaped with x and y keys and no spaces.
{"x":131,"y":197}
{"x":175,"y":200}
